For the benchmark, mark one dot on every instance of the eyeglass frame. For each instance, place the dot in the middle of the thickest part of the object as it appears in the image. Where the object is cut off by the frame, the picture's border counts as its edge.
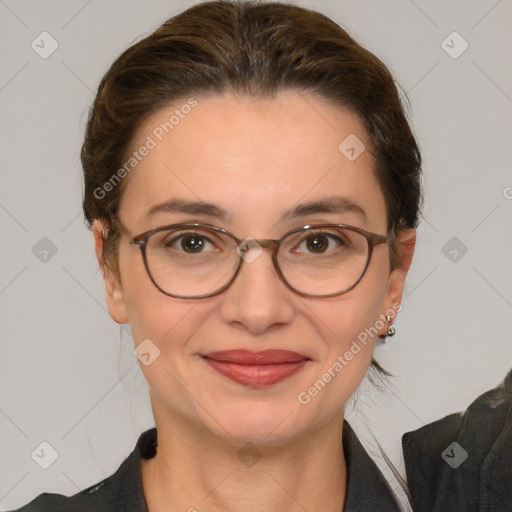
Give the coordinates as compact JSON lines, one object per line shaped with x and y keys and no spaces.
{"x":141,"y":240}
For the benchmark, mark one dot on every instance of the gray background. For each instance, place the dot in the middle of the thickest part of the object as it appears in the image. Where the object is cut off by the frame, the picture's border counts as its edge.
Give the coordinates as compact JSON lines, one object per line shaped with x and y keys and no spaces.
{"x":67,"y":377}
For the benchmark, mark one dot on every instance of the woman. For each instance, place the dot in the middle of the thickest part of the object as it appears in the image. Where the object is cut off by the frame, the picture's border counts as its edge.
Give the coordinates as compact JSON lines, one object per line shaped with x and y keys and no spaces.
{"x":253,"y":188}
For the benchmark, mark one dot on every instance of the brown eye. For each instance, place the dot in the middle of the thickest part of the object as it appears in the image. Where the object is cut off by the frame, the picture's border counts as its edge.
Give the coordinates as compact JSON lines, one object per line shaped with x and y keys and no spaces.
{"x":321,"y":243}
{"x":192,"y":243}
{"x":318,"y":243}
{"x":188,"y":243}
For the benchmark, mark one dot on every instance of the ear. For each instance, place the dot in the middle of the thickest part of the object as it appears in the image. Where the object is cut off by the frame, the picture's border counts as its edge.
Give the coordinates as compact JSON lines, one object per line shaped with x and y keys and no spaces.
{"x":395,"y":287}
{"x":113,"y":291}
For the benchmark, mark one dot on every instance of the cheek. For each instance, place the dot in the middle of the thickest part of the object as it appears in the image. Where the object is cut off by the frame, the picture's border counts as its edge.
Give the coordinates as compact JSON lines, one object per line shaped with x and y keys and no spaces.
{"x":152,"y":314}
{"x":349,"y":315}
{"x":351,"y":332}
{"x":162,"y":319}
{"x":350,"y":327}
{"x":346,"y":355}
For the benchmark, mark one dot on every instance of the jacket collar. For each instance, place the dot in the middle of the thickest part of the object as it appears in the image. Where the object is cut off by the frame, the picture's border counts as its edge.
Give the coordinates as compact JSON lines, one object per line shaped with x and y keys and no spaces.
{"x":367,"y":489}
{"x":463,"y":461}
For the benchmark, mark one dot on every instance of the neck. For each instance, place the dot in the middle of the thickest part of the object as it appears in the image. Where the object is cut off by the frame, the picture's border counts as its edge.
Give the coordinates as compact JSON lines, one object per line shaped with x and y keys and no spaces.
{"x":196,"y":472}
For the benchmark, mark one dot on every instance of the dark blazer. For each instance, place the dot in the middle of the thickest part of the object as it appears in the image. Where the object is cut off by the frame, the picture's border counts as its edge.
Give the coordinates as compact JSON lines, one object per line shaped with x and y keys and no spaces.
{"x":461,"y":463}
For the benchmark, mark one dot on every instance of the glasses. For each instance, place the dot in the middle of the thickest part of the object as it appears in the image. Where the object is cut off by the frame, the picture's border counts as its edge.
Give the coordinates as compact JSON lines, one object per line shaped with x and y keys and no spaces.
{"x":195,"y":260}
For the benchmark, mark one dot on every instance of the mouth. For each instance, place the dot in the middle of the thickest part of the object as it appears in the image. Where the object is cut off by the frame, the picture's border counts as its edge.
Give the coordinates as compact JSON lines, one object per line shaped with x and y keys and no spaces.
{"x":256,"y":369}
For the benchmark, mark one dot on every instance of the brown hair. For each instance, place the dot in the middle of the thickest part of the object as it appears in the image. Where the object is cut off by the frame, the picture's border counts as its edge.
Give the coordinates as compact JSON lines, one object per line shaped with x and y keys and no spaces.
{"x":257,"y":49}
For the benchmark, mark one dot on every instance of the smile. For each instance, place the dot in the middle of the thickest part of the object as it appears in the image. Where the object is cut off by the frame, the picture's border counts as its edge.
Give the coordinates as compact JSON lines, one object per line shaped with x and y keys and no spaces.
{"x":256,"y":369}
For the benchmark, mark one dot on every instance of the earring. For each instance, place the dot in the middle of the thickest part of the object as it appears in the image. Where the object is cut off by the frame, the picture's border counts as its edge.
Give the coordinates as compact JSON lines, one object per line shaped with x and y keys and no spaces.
{"x":391,"y":329}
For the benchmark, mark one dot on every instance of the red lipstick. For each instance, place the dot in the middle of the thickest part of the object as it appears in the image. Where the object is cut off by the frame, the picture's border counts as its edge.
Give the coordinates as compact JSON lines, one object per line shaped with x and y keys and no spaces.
{"x":256,"y":369}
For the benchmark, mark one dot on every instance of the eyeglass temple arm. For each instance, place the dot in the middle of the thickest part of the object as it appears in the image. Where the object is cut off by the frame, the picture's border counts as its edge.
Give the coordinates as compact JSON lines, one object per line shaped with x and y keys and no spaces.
{"x":121,"y":228}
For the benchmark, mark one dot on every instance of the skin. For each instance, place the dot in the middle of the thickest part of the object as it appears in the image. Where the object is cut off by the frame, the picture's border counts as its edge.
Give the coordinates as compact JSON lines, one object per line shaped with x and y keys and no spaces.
{"x":257,"y":159}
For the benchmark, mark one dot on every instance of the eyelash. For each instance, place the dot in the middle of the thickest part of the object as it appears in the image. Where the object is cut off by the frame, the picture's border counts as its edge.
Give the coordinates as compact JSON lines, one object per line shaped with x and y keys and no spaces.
{"x":305,"y":238}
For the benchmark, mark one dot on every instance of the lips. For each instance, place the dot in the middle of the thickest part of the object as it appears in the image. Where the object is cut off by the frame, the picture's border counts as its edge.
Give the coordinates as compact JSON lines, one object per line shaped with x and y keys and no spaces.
{"x":256,"y":369}
{"x":247,"y":357}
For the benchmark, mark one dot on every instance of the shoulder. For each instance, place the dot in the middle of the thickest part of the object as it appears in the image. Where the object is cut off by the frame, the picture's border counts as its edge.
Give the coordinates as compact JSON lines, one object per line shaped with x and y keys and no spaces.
{"x":464,"y":460}
{"x":120,"y":492}
{"x":87,"y":500}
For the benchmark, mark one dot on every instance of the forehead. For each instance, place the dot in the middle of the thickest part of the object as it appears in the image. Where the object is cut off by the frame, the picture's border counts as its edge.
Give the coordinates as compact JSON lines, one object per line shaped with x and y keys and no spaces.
{"x":254,"y":158}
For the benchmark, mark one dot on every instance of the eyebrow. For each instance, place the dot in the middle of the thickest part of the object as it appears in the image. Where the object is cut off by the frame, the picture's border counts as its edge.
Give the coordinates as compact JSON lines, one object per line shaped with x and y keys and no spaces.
{"x":336,"y":204}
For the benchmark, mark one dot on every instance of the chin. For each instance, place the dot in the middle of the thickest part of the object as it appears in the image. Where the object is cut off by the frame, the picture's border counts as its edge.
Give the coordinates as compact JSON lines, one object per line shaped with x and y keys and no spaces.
{"x":263,"y":423}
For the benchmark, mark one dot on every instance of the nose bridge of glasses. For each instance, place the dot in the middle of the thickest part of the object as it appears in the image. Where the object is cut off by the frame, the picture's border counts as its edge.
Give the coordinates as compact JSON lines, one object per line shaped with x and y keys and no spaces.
{"x":265,"y":243}
{"x":251,"y":249}
{"x":257,"y":245}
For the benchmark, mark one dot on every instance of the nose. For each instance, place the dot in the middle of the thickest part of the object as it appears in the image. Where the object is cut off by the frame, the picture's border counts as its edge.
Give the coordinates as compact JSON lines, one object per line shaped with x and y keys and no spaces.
{"x":257,"y":299}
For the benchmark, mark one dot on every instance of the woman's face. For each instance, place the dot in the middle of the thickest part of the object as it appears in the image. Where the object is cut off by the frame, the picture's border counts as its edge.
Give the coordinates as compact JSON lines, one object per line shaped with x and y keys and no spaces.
{"x":257,"y":160}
